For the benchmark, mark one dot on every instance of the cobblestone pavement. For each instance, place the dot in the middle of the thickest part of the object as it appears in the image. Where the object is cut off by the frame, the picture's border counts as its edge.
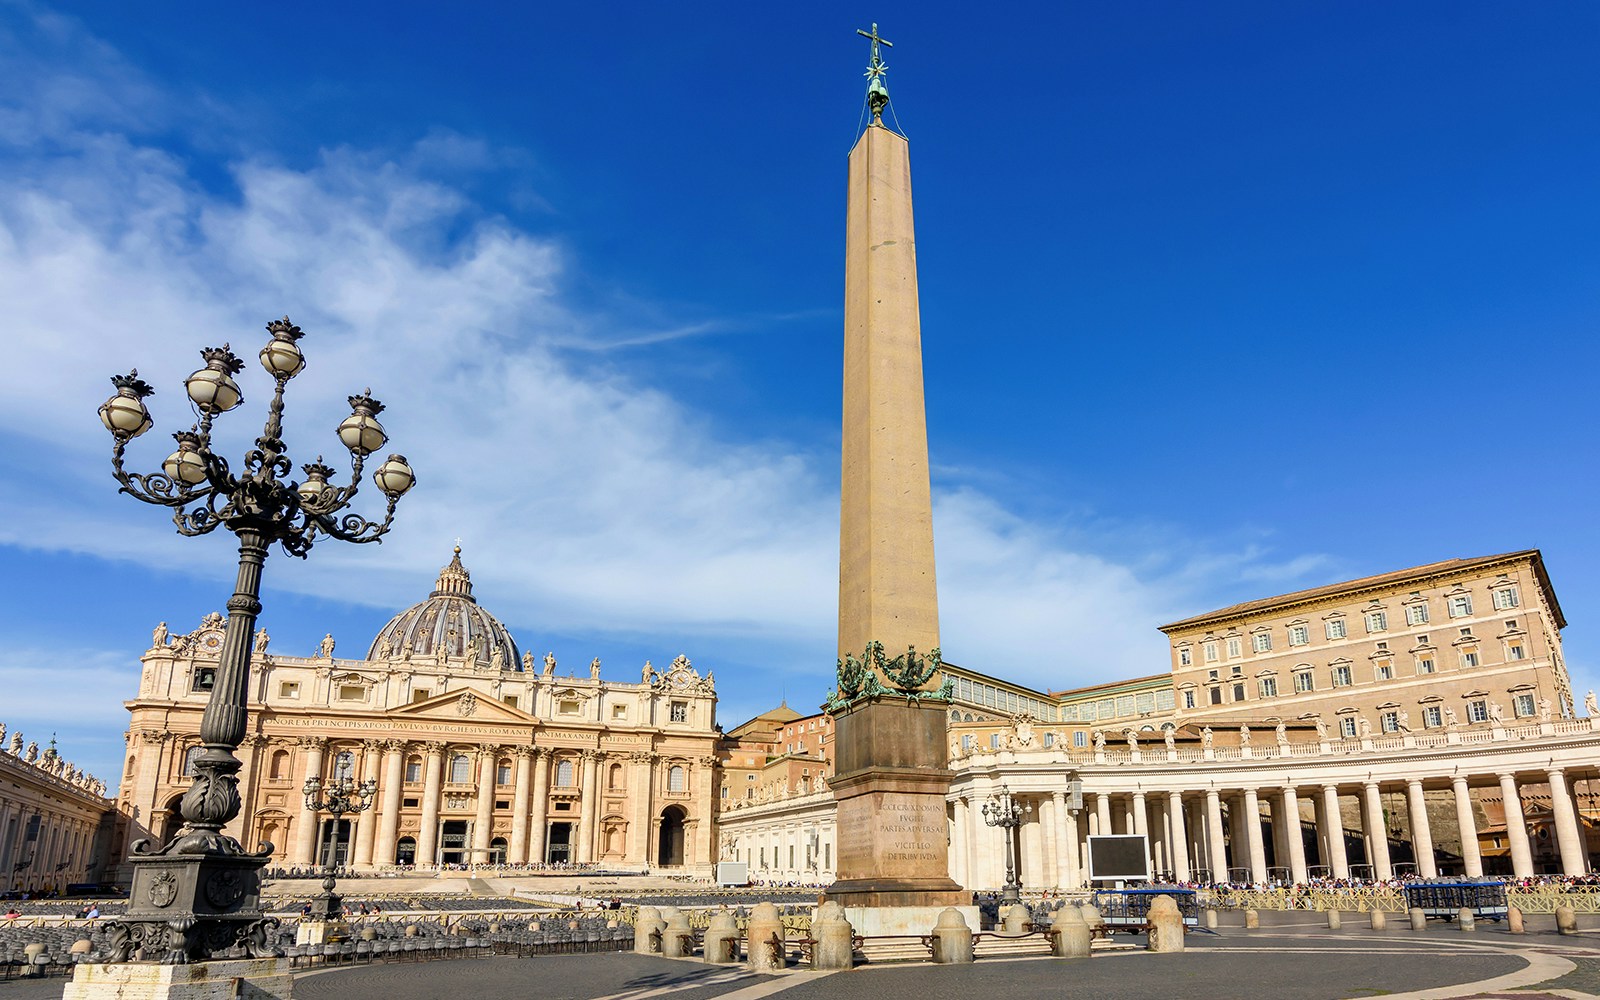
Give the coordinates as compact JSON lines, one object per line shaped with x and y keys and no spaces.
{"x":1282,"y":964}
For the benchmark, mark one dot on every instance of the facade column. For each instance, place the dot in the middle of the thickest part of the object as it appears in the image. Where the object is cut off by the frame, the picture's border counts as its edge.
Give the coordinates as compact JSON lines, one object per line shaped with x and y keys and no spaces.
{"x":1179,"y":846}
{"x":1377,"y":832}
{"x":1569,"y":838}
{"x":428,"y":835}
{"x":483,"y":818}
{"x":1293,"y":836}
{"x":958,"y":841}
{"x":367,"y":822}
{"x":1516,"y":827}
{"x":589,"y":808}
{"x":1421,"y":834}
{"x":1102,"y":811}
{"x":1139,"y":814}
{"x":393,"y":783}
{"x":1471,"y":857}
{"x":1333,"y":832}
{"x":305,"y":834}
{"x":1214,"y":841}
{"x":643,"y":802}
{"x":519,"y":806}
{"x":1066,"y":842}
{"x":249,"y":747}
{"x":1049,"y":822}
{"x":1252,"y":837}
{"x":538,"y":825}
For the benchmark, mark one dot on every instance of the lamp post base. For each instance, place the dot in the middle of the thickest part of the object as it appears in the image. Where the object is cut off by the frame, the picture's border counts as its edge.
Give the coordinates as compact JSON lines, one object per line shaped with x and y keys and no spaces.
{"x":186,"y":908}
{"x":255,"y":979}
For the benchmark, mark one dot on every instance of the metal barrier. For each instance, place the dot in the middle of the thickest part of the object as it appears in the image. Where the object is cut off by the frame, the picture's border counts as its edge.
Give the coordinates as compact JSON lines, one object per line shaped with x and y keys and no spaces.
{"x":1389,"y":899}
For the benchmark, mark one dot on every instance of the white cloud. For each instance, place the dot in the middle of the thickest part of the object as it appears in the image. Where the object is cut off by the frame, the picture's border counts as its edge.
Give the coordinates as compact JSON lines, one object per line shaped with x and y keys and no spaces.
{"x":589,"y":502}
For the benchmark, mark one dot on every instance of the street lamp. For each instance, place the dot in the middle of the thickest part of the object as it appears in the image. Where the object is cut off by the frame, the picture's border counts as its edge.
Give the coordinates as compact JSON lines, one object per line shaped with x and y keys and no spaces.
{"x":198,"y":895}
{"x":1006,"y":813}
{"x":344,"y":796}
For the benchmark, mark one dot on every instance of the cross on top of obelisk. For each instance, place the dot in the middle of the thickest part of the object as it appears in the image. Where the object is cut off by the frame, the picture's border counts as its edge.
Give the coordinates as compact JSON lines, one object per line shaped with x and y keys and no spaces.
{"x":877,"y":91}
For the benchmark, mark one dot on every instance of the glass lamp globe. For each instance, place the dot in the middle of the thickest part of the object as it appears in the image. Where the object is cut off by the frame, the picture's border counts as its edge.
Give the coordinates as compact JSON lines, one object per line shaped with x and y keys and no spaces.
{"x":186,"y":465}
{"x":124,"y":414}
{"x":360,"y":431}
{"x":315,"y":487}
{"x":394,"y":477}
{"x":212,"y":388}
{"x":281,"y":357}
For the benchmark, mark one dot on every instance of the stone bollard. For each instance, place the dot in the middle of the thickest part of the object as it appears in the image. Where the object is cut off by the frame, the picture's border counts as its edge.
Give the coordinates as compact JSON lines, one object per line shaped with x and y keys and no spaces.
{"x":1092,"y":917}
{"x":677,"y":937}
{"x":722,"y":938}
{"x":1566,"y":920}
{"x":1014,"y":919}
{"x":533,"y":925}
{"x":32,"y":952}
{"x":1335,"y":921}
{"x":411,"y":930}
{"x":1380,"y":920}
{"x":952,"y":939}
{"x":1252,"y":920}
{"x":82,"y":946}
{"x":1419,"y":920}
{"x":368,"y":934}
{"x":835,"y":939}
{"x":1071,"y":939}
{"x":1166,"y":926}
{"x":764,"y":939}
{"x":1467,"y":919}
{"x":1211,"y":918}
{"x":647,"y":926}
{"x":1514,"y":920}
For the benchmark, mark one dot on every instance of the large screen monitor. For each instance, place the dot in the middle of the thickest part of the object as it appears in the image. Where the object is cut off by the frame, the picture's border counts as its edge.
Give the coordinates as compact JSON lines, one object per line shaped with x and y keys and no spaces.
{"x":1119,"y":858}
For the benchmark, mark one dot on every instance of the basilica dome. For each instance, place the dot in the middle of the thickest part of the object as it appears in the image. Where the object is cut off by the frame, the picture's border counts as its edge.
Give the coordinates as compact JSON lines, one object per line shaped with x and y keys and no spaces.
{"x":448,"y":626}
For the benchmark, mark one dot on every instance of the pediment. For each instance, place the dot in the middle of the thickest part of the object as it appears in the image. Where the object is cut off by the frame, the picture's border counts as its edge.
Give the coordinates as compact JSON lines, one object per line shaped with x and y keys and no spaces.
{"x":454,"y":706}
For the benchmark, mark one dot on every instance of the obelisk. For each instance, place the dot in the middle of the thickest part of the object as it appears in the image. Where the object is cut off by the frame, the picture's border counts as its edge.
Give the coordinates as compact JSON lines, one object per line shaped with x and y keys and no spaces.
{"x":889,"y":710}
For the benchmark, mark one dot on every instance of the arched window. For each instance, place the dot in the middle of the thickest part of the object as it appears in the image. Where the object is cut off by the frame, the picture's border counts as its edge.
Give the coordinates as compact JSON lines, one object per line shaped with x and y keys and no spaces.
{"x":413,"y":770}
{"x":129,"y":772}
{"x":614,"y":777}
{"x":189,"y":756}
{"x":405,"y":852}
{"x":497,"y":851}
{"x":564,"y":774}
{"x":280,"y":764}
{"x":460,"y":769}
{"x":676,"y":779}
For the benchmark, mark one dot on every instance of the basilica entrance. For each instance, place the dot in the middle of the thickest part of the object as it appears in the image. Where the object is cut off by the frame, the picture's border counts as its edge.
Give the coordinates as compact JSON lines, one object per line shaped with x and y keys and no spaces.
{"x":560,"y":850}
{"x":453,"y":842}
{"x":670,"y":852}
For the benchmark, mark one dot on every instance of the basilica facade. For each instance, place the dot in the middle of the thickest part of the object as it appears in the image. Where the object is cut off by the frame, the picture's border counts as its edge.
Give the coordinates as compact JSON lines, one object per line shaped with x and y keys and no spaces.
{"x":481,"y":754}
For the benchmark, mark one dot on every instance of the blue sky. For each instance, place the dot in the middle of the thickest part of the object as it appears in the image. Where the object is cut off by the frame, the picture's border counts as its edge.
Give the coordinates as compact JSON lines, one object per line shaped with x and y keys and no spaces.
{"x":1219,"y":301}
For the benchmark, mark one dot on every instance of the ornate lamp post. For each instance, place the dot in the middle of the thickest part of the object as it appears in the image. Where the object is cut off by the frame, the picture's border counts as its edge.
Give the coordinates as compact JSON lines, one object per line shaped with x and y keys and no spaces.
{"x":344,"y":796}
{"x":198,"y":895}
{"x":1006,"y":813}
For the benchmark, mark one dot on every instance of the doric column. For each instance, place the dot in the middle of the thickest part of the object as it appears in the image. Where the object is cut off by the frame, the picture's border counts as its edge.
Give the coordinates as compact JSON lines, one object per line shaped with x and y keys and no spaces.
{"x":958,"y":841}
{"x":538,"y":827}
{"x":1102,"y":811}
{"x":1466,"y":824}
{"x":1377,"y":831}
{"x":1293,"y":837}
{"x":305,"y":834}
{"x":1066,"y":841}
{"x":393,"y":783}
{"x":589,"y":807}
{"x":1569,"y":838}
{"x":642,"y":798}
{"x":483,"y":819}
{"x":1333,"y":832}
{"x":1048,"y":820}
{"x":1516,"y":827}
{"x":1179,"y":845}
{"x":519,"y":806}
{"x":428,"y":835}
{"x":1421,"y":834}
{"x":1252,"y":837}
{"x":1218,"y":850}
{"x":367,"y":823}
{"x":1141,"y":815}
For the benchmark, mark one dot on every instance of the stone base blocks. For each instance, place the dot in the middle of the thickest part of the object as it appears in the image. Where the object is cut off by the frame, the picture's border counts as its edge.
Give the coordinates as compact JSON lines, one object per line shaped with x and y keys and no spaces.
{"x":1419,"y":920}
{"x":647,"y":930}
{"x":1467,"y":920}
{"x":1514,"y":920}
{"x":1071,"y":937}
{"x":1335,"y":921}
{"x":952,"y":939}
{"x":835,"y":939}
{"x":248,"y":979}
{"x":677,"y":937}
{"x":764,"y":949}
{"x":722,"y":939}
{"x":1566,"y":920}
{"x":1379,"y":921}
{"x":1166,"y":926}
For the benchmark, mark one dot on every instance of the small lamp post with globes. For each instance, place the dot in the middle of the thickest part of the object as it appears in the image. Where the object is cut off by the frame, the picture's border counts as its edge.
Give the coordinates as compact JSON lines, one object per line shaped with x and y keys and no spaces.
{"x":1006,"y":813}
{"x":197,"y":896}
{"x":344,"y":796}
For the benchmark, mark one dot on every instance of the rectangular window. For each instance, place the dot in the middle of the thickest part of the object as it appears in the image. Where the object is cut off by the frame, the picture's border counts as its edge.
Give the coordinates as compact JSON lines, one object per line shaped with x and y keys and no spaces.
{"x":1461,"y":606}
{"x":420,"y":694}
{"x":410,"y":803}
{"x":1416,"y":614}
{"x":502,"y":774}
{"x":1210,"y":652}
{"x":1389,"y":722}
{"x":1347,"y":727}
{"x":1341,"y":676}
{"x":1268,"y":686}
{"x":205,"y":678}
{"x":413,"y":772}
{"x":1505,"y":598}
{"x":1188,"y":698}
{"x":1469,"y":657}
{"x":1522,"y":705}
{"x":679,"y":711}
{"x":1514,"y":651}
{"x":1377,"y":621}
{"x":289,"y":689}
{"x":1303,"y":682}
{"x":1478,"y":711}
{"x":994,"y":741}
{"x":1262,"y":641}
{"x":1432,"y":717}
{"x":1335,"y":628}
{"x":1425,"y":665}
{"x":1235,"y":648}
{"x":724,"y":791}
{"x":1049,"y":740}
{"x":1299,"y":635}
{"x":510,"y":700}
{"x":1238,"y":692}
{"x":1184,"y":657}
{"x":1384,"y":670}
{"x":569,"y":707}
{"x":1080,"y":739}
{"x":1216,"y":696}
{"x":352,"y":692}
